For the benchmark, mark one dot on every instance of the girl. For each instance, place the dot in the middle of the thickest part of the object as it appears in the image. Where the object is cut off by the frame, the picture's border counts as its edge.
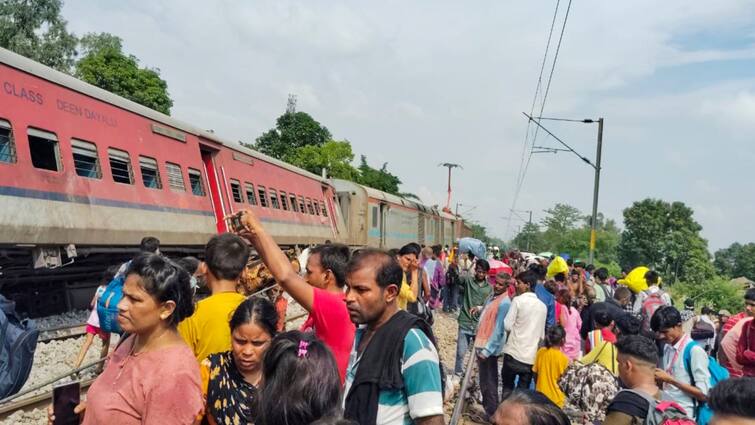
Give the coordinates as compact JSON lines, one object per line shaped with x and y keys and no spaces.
{"x":301,"y":381}
{"x":550,"y":364}
{"x":93,"y":322}
{"x":571,"y":321}
{"x":231,"y":379}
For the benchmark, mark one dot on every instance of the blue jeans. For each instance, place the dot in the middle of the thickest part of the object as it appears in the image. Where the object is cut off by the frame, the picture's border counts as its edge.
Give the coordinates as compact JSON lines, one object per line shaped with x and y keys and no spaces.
{"x":463,"y":340}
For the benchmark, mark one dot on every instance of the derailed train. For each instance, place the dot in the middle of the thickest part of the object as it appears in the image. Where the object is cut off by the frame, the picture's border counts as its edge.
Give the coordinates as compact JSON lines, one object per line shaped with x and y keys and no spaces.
{"x":85,"y":174}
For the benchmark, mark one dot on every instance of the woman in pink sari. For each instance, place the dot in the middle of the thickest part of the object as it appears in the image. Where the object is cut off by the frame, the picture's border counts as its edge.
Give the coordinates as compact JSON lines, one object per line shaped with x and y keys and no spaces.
{"x":571,"y":321}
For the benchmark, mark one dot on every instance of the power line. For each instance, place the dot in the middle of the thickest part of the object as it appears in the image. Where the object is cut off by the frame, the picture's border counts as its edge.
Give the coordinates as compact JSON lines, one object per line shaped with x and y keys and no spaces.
{"x":520,"y":182}
{"x":520,"y":175}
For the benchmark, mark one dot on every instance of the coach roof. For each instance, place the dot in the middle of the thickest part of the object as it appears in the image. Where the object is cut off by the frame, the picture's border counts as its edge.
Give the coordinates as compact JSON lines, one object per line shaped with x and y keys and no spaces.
{"x":29,"y":66}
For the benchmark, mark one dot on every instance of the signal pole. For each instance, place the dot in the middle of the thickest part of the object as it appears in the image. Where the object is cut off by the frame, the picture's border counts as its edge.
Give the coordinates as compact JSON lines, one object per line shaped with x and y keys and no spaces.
{"x":449,"y":165}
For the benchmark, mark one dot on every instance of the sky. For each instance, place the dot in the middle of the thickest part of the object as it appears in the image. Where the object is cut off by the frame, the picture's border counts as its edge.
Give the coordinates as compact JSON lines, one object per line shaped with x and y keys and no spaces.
{"x":416,"y":84}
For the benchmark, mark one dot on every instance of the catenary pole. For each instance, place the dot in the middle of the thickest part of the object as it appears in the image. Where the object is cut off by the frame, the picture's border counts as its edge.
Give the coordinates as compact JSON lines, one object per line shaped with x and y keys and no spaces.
{"x":596,"y":190}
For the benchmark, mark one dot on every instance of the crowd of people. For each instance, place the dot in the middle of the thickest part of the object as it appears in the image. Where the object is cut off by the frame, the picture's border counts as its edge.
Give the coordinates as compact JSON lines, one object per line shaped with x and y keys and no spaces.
{"x":573,"y":345}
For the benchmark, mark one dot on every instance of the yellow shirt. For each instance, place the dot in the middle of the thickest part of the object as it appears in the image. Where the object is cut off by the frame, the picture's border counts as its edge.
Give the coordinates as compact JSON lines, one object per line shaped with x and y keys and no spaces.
{"x":605,"y":354}
{"x":207,"y":331}
{"x":550,"y":364}
{"x":405,"y":295}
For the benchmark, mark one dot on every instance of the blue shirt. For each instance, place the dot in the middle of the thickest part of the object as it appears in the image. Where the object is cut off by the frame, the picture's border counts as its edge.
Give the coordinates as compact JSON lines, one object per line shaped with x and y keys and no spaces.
{"x":422,"y":393}
{"x":550,"y":303}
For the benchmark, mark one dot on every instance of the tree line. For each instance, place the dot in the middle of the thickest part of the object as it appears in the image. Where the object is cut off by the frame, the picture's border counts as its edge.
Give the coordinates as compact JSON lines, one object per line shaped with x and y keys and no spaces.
{"x":658,"y":234}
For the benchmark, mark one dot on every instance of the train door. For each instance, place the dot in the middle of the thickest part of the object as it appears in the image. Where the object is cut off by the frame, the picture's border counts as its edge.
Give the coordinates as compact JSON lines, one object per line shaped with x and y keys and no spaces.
{"x":420,"y":229}
{"x":213,"y":184}
{"x":383,"y":223}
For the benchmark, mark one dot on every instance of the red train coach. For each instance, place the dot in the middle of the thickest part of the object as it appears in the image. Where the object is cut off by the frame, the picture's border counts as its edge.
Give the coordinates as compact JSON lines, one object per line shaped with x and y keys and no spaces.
{"x":85,"y":174}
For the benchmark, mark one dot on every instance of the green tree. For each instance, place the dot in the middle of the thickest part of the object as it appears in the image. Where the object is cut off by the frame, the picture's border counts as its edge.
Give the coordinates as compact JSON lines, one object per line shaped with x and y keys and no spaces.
{"x":530,"y":239}
{"x":561,"y":218}
{"x":35,"y":29}
{"x":292,"y":131}
{"x":106,"y":66}
{"x":735,"y":261}
{"x":665,"y":236}
{"x":334,"y":156}
{"x":717,"y":293}
{"x":380,"y":179}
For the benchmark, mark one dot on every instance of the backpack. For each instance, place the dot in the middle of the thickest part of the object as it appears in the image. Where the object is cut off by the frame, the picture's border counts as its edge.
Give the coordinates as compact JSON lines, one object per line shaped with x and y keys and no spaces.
{"x":589,"y":390}
{"x":652,"y":303}
{"x":420,"y":308}
{"x":663,"y":412}
{"x":107,"y":304}
{"x":718,"y":373}
{"x":18,"y":341}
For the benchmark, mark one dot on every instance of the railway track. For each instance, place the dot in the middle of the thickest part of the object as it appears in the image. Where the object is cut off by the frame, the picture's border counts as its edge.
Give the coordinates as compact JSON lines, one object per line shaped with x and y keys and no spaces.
{"x":62,"y":333}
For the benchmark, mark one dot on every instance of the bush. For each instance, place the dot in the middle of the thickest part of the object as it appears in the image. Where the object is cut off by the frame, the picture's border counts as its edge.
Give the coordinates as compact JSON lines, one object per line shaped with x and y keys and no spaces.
{"x":717,"y":293}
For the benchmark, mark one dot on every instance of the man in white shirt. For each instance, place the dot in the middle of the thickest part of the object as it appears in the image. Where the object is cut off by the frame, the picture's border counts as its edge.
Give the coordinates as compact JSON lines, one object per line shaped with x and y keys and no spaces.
{"x":525,"y":323}
{"x":685,"y":381}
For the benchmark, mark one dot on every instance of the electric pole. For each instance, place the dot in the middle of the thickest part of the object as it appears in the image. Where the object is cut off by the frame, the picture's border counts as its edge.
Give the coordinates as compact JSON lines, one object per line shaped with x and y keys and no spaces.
{"x":449,"y":165}
{"x":596,"y":190}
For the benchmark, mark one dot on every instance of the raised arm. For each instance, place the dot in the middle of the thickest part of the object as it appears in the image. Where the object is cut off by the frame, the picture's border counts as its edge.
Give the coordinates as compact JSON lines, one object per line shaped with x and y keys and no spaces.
{"x":276,"y":261}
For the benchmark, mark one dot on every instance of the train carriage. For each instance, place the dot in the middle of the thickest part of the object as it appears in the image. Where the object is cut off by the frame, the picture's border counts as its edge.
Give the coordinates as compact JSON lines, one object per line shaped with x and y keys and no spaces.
{"x":380,"y":219}
{"x":85,"y":174}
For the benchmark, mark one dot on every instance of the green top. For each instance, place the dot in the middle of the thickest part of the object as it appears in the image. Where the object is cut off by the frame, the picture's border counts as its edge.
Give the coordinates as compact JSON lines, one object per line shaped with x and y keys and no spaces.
{"x":475,"y":294}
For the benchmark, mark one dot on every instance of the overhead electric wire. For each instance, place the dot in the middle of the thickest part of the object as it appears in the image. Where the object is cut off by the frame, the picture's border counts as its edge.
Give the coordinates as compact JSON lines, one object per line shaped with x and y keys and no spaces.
{"x":537,"y":89}
{"x":523,"y":172}
{"x":532,"y":111}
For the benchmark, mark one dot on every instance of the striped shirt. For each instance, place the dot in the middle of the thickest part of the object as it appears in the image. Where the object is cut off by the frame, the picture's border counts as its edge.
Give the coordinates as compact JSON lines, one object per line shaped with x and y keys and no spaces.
{"x":421,"y":396}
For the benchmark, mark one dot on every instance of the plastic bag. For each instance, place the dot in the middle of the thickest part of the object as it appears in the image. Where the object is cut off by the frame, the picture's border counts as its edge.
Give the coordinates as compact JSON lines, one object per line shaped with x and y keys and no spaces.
{"x":635,"y":280}
{"x":558,"y":265}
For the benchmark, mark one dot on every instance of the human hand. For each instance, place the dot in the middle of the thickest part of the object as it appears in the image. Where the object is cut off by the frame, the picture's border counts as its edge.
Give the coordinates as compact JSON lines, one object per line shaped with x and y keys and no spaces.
{"x":79,"y":410}
{"x":662,"y":376}
{"x":414,"y":265}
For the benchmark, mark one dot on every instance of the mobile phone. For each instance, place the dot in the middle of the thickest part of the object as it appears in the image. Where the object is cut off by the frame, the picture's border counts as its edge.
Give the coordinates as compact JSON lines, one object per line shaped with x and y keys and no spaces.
{"x":65,"y":398}
{"x":234,"y":222}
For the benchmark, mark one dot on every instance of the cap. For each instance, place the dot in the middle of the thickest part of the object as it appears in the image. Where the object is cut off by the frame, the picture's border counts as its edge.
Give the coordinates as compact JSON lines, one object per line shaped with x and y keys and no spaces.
{"x":724,"y":313}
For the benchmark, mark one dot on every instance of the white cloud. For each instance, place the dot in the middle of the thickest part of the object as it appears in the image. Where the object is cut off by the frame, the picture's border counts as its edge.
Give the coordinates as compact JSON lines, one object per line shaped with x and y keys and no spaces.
{"x":420,"y":83}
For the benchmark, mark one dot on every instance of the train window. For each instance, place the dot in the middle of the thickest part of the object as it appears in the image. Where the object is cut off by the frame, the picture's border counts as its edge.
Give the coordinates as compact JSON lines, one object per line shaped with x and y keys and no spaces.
{"x":236,"y":191}
{"x":7,"y":147}
{"x":85,"y":160}
{"x":250,"y":196}
{"x":120,"y":166}
{"x":150,"y":173}
{"x":317,"y":207}
{"x":274,"y":199}
{"x":324,"y":210}
{"x":292,"y":198}
{"x":302,"y":207}
{"x":195,"y":181}
{"x":284,"y":201}
{"x":374,"y":217}
{"x":45,"y":153}
{"x":175,"y":177}
{"x":309,"y":207}
{"x":263,"y":196}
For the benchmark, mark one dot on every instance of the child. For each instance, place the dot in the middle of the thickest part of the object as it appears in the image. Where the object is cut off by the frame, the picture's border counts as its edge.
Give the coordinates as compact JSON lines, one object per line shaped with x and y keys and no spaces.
{"x":603,"y":331}
{"x":301,"y":379}
{"x":550,"y":364}
{"x":571,"y":321}
{"x":93,"y":322}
